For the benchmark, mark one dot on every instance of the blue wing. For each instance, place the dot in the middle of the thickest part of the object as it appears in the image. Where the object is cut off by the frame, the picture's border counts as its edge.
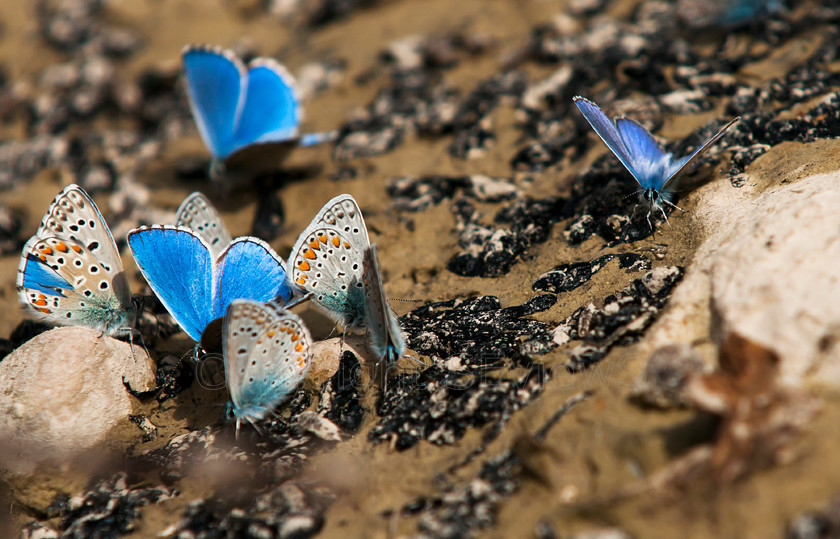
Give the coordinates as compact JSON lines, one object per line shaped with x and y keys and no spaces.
{"x":649,"y":160}
{"x":38,"y":276}
{"x":677,"y":167}
{"x":176,"y":263}
{"x":216,"y":88}
{"x":249,"y":269}
{"x":608,"y":132}
{"x":271,"y":112}
{"x":311,"y":139}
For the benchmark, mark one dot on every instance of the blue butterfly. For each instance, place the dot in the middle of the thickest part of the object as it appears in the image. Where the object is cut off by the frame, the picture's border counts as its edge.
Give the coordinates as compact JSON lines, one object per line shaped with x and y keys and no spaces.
{"x":70,"y":271}
{"x":235,"y":108}
{"x":653,"y":168}
{"x":195,"y":286}
{"x":726,"y":13}
{"x":334,"y":262}
{"x":267,"y":351}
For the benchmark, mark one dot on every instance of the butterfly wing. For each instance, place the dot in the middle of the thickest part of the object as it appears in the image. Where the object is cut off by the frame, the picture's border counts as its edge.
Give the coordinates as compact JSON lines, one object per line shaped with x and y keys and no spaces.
{"x":197,"y":213}
{"x":326,"y":260}
{"x":649,"y":160}
{"x":71,"y":272}
{"x":386,"y":337}
{"x":271,"y":112}
{"x":679,"y":166}
{"x":343,"y":214}
{"x":216,"y":86}
{"x":267,"y":354}
{"x":608,"y":132}
{"x":249,"y":269}
{"x":329,"y":267}
{"x":177,"y":265}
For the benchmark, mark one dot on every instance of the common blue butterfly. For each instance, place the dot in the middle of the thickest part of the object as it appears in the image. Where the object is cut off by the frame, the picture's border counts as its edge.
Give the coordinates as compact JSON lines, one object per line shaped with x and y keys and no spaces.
{"x":267,"y":352}
{"x":334,"y":262}
{"x":195,"y":286}
{"x":702,"y":13}
{"x":653,"y":168}
{"x":235,"y":107}
{"x":70,"y":271}
{"x":385,"y":336}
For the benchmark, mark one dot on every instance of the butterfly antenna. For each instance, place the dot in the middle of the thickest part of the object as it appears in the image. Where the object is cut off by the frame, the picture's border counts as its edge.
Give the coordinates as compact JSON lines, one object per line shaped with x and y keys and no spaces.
{"x":405,"y":300}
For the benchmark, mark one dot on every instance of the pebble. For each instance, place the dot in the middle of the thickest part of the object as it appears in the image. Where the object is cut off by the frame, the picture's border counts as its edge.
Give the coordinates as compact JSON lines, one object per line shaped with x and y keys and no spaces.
{"x":49,"y":412}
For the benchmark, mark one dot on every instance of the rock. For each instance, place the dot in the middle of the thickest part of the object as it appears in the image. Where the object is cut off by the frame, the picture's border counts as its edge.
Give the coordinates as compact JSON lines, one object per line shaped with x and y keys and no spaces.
{"x":767,"y":271}
{"x":663,"y":382}
{"x":326,"y":356}
{"x":63,"y":391}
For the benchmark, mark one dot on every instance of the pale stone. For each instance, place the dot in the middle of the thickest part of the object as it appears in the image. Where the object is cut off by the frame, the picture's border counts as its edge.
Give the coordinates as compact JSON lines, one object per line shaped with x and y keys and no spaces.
{"x":767,"y":270}
{"x":63,"y":391}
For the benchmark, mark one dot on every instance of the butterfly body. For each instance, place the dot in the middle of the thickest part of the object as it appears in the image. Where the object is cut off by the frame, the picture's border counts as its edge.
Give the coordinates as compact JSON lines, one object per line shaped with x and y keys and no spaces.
{"x":267,"y":353}
{"x":654,"y":169}
{"x":70,"y":272}
{"x":195,"y":286}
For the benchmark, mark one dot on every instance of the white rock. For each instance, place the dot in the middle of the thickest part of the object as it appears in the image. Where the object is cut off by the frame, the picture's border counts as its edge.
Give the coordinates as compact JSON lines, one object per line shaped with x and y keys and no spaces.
{"x":62,"y":392}
{"x":768,"y":270}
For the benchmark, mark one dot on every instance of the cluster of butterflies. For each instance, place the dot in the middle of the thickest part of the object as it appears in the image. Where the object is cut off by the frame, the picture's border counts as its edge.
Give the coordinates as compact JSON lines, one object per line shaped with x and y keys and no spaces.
{"x":70,"y":273}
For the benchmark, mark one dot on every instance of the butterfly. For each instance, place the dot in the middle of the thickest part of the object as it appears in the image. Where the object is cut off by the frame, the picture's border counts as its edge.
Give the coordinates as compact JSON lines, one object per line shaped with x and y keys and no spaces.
{"x":235,"y":108}
{"x":70,"y":271}
{"x":197,"y":282}
{"x":654,"y":169}
{"x":267,"y":352}
{"x":386,"y":337}
{"x":334,"y":262}
{"x":726,"y":13}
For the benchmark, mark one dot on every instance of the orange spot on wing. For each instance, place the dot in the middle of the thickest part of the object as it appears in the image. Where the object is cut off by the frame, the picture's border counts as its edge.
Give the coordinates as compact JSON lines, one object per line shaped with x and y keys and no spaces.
{"x":295,"y":337}
{"x":46,"y":249}
{"x":76,"y":248}
{"x":301,"y":362}
{"x":336,"y":241}
{"x":301,"y":280}
{"x":304,"y":265}
{"x":45,"y":310}
{"x":270,"y":333}
{"x":346,"y":245}
{"x":310,"y":254}
{"x":42,"y":258}
{"x":40,"y":302}
{"x":299,"y":347}
{"x":322,"y":238}
{"x":61,"y":246}
{"x":314,"y":244}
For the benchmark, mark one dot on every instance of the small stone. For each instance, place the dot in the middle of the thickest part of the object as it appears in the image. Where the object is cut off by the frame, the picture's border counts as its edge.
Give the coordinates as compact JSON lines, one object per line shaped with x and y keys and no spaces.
{"x":49,"y":411}
{"x":663,"y":382}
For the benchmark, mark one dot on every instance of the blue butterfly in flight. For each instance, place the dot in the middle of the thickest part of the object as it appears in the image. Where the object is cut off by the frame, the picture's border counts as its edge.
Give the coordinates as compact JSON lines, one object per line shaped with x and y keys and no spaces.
{"x":653,"y":168}
{"x":236,"y":108}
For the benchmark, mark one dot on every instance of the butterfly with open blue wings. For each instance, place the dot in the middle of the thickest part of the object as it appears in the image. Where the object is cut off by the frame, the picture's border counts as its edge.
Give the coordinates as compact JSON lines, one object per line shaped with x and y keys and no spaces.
{"x":196,"y":284}
{"x":236,"y":108}
{"x":653,"y":168}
